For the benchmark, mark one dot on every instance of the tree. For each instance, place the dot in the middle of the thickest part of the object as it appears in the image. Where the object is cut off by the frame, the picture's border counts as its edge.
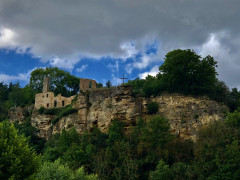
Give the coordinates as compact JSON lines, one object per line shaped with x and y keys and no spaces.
{"x":17,"y":159}
{"x":16,"y":96}
{"x":162,"y":172}
{"x":60,"y":81}
{"x":183,"y":71}
{"x":217,"y":152}
{"x":57,"y":171}
{"x":99,"y":85}
{"x":108,"y":84}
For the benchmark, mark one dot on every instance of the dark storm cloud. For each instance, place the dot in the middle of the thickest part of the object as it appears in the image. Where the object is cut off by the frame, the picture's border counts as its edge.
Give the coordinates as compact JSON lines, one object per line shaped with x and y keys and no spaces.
{"x":67,"y":30}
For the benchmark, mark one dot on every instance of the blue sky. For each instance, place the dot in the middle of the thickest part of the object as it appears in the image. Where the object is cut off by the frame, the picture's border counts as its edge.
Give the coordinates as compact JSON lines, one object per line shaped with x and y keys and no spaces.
{"x":103,"y":40}
{"x":17,"y":66}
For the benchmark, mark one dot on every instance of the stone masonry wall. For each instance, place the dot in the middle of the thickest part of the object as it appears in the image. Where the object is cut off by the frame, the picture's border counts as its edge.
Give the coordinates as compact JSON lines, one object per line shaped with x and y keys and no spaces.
{"x":85,"y":84}
{"x":48,"y":100}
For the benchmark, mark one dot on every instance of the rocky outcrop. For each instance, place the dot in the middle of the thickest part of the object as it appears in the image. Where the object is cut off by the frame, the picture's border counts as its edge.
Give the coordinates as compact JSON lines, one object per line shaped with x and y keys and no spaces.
{"x":19,"y":114}
{"x":100,"y":106}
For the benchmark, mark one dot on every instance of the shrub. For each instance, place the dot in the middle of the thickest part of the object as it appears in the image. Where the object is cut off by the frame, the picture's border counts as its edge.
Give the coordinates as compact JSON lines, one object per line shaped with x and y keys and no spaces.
{"x":65,"y":111}
{"x":41,"y":110}
{"x":52,"y":111}
{"x":152,"y":108}
{"x":58,"y":171}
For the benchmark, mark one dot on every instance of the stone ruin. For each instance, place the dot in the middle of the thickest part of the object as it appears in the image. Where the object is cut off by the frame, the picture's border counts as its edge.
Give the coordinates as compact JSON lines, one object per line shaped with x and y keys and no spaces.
{"x":47,"y":99}
{"x":87,"y":84}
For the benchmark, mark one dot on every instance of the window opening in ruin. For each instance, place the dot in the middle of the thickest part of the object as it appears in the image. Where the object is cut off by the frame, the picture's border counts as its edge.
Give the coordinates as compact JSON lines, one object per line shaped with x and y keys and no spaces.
{"x":47,"y":95}
{"x":62,"y":103}
{"x":47,"y":104}
{"x":55,"y":103}
{"x":90,"y":84}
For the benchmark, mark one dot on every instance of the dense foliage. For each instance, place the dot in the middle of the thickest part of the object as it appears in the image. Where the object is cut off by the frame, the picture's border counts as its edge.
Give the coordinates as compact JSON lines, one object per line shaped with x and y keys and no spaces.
{"x":61,"y":82}
{"x":185,"y":72}
{"x":17,"y":159}
{"x":150,"y":151}
{"x":12,"y":96}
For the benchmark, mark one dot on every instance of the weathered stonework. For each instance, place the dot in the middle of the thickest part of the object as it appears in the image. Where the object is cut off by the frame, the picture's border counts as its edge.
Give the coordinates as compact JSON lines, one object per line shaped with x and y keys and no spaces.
{"x":87,"y":84}
{"x":46,"y":85}
{"x":19,"y":114}
{"x":186,"y":114}
{"x":48,"y":100}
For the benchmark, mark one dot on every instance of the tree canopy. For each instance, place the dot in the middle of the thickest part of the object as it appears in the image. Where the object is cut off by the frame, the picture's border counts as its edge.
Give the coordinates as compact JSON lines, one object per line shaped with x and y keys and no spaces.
{"x":61,"y":82}
{"x":184,"y":71}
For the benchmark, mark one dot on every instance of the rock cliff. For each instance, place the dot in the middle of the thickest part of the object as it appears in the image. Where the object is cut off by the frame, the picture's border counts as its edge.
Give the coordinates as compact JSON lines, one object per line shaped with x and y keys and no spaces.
{"x":100,"y":106}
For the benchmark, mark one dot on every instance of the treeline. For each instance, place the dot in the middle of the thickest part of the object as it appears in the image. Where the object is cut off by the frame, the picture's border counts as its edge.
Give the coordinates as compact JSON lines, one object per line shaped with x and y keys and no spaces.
{"x":149,"y":151}
{"x":187,"y":73}
{"x":13,"y":95}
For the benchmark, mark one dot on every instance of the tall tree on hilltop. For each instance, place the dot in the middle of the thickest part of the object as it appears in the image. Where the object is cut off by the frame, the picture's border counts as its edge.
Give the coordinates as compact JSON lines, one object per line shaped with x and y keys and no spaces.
{"x":184,"y":71}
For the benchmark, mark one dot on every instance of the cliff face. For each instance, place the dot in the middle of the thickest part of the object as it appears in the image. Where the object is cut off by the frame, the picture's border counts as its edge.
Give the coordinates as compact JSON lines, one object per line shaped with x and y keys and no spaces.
{"x":101,"y":106}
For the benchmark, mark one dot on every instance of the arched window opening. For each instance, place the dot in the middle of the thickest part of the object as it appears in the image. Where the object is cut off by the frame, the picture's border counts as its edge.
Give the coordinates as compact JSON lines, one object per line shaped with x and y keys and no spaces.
{"x":47,"y":104}
{"x":63,"y":103}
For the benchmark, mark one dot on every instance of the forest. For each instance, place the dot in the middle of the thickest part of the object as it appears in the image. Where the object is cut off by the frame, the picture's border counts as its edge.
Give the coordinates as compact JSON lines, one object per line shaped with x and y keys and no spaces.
{"x":149,"y":151}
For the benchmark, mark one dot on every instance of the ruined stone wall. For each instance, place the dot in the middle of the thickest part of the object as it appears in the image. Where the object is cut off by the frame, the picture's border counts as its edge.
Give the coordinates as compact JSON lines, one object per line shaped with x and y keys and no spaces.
{"x":46,"y":84}
{"x":86,"y":83}
{"x":48,"y":100}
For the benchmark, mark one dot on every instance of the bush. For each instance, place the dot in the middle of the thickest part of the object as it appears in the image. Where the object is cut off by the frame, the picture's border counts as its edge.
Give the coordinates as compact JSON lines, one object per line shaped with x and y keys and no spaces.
{"x":65,"y":111}
{"x":162,"y":172}
{"x":152,"y":108}
{"x":52,"y":111}
{"x":58,"y":171}
{"x":41,"y":110}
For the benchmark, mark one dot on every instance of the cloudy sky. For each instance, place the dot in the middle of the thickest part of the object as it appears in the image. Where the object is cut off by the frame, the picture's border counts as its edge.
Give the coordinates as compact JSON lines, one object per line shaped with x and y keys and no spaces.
{"x":104,"y":39}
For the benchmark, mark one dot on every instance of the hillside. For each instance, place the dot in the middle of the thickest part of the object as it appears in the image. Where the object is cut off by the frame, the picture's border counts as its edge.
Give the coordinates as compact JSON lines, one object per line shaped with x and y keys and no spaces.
{"x":99,"y":107}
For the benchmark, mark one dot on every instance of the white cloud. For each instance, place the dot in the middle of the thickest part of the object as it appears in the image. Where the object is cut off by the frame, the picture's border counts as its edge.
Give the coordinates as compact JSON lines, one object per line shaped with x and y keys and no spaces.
{"x":20,"y":77}
{"x":129,"y":68}
{"x":145,"y":61}
{"x":114,"y":67}
{"x":116,"y":81}
{"x":153,"y":72}
{"x":7,"y":38}
{"x":129,"y":50}
{"x":82,"y":68}
{"x":218,"y":45}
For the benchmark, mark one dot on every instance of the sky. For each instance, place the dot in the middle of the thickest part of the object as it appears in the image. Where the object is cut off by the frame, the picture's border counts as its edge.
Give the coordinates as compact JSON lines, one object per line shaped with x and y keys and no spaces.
{"x":104,"y":39}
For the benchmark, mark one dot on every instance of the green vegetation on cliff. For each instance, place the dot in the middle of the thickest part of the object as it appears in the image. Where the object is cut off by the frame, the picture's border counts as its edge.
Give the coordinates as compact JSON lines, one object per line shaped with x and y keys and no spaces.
{"x":185,"y":72}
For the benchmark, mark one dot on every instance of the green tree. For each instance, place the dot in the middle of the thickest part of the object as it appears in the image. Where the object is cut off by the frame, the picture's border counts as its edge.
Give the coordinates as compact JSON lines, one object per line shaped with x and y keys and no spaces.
{"x":16,"y":96}
{"x":17,"y":159}
{"x":217,"y":152}
{"x":162,"y":172}
{"x":108,"y":84}
{"x":99,"y":85}
{"x":183,"y":71}
{"x":57,"y":171}
{"x":29,"y":131}
{"x":61,"y":81}
{"x":54,"y":171}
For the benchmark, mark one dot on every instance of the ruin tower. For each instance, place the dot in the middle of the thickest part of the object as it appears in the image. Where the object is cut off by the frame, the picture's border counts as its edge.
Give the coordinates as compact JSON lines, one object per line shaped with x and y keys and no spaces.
{"x":46,"y":84}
